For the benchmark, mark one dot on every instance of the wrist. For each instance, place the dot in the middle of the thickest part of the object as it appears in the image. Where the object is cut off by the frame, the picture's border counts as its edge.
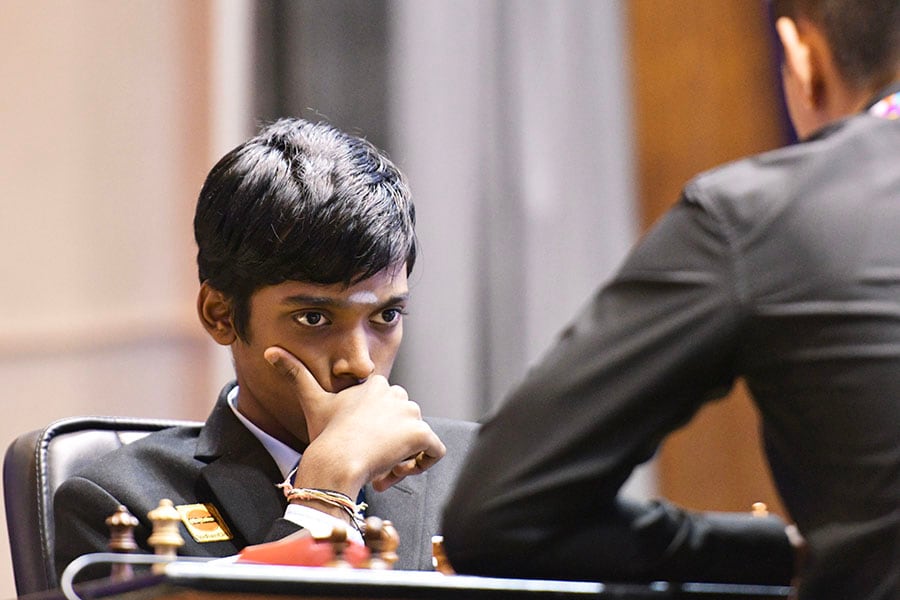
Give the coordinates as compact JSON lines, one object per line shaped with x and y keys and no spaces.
{"x":328,"y":471}
{"x":331,"y":502}
{"x":323,"y":507}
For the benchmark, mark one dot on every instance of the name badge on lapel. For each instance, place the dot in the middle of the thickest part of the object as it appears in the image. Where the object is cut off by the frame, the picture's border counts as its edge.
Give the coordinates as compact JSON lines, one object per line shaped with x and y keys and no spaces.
{"x":204,"y":522}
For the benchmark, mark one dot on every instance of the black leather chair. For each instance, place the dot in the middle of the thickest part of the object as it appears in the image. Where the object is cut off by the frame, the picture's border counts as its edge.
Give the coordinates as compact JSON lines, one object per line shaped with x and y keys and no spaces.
{"x":34,"y":466}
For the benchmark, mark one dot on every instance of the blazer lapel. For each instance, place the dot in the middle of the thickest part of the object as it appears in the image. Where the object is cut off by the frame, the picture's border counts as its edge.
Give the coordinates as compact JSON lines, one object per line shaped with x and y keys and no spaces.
{"x":240,"y":475}
{"x":404,"y":505}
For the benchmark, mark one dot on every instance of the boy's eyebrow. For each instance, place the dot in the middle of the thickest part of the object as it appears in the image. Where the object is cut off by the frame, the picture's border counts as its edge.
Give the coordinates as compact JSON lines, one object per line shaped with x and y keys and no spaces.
{"x":305,"y":300}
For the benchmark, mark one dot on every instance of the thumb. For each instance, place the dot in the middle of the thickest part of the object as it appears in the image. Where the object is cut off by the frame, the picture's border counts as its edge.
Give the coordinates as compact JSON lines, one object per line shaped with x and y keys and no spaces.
{"x":309,"y":393}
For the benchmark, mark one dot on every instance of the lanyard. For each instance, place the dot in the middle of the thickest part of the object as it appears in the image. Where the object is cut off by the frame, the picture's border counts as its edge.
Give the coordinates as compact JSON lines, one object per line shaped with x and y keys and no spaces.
{"x":887,"y":108}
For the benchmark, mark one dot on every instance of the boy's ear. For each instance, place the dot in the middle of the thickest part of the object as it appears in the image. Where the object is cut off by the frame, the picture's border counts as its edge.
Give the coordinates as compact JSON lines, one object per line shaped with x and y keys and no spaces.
{"x":215,"y":312}
{"x":801,"y":58}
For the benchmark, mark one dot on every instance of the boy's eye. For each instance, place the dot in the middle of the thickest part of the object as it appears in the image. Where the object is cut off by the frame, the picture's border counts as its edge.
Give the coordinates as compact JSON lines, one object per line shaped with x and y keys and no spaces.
{"x":311,"y":319}
{"x":389,"y":316}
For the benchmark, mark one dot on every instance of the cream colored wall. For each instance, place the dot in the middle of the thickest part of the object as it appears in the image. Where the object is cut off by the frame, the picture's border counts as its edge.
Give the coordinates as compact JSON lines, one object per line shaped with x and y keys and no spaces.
{"x":109,"y":124}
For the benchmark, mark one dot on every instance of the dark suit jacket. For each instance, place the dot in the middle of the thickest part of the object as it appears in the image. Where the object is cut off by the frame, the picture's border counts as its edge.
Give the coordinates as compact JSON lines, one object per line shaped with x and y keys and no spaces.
{"x":224,"y":464}
{"x":784,"y":269}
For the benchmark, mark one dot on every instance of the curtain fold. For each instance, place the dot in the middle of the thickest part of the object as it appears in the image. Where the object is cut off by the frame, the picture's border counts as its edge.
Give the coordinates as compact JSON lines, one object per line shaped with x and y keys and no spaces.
{"x":512,"y":122}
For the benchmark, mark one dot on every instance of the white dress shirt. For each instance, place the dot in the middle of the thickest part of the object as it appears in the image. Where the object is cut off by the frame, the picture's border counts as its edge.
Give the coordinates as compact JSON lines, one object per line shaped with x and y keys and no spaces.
{"x":318,"y":523}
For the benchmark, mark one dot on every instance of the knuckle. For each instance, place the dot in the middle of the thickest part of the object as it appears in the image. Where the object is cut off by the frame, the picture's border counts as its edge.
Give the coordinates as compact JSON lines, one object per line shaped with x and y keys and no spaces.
{"x":415,"y":410}
{"x":399,"y":392}
{"x":378,"y":380}
{"x":422,"y":430}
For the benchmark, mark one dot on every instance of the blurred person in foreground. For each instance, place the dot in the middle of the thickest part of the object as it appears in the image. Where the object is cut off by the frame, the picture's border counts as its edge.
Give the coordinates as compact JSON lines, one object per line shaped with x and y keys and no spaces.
{"x":305,"y":239}
{"x":784,"y":269}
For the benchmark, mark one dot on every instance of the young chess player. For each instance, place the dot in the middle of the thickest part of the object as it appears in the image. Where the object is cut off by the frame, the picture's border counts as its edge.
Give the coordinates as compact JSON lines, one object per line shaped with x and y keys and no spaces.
{"x":306,"y":237}
{"x":784,"y":269}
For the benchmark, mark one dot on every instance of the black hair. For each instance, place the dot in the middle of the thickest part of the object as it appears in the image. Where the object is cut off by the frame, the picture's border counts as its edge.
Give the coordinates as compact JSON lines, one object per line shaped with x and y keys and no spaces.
{"x":301,"y":201}
{"x":864,"y":36}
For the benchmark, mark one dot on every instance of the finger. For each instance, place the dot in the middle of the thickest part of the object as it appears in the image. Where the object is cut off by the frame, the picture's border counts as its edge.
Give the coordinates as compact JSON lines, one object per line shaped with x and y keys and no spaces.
{"x":425,"y":461}
{"x":432,"y":449}
{"x":397,"y":474}
{"x":414,"y":465}
{"x":309,"y":391}
{"x":383,"y":482}
{"x":407,"y":467}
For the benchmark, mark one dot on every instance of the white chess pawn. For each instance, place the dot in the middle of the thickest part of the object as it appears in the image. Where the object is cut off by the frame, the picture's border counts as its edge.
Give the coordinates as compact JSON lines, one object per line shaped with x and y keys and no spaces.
{"x":165,"y":539}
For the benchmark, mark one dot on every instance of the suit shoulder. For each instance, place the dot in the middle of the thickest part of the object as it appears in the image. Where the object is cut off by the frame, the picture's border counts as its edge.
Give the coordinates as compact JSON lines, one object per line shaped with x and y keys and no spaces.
{"x":458,"y":435}
{"x":457,"y":432}
{"x":164,"y":449}
{"x":449,"y":424}
{"x":838,"y":148}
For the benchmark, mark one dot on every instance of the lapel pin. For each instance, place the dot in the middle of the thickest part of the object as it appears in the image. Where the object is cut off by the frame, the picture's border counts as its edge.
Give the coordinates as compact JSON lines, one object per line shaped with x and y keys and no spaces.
{"x":204,"y":522}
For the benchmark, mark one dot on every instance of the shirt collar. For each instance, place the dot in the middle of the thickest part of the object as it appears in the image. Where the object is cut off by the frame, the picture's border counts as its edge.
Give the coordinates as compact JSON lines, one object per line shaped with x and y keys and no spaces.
{"x":284,"y":456}
{"x":884,"y":93}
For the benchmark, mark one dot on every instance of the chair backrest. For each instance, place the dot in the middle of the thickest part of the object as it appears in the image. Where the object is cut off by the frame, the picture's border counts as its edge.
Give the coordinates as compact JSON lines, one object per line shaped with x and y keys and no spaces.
{"x":36,"y":463}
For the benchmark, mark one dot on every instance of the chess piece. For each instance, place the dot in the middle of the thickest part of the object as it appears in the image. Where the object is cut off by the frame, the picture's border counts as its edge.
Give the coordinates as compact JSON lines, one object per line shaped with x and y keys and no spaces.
{"x":439,"y":557}
{"x":759,"y":509}
{"x":378,"y":541}
{"x":389,"y":551}
{"x":121,"y":540}
{"x":165,"y":539}
{"x":339,"y":542}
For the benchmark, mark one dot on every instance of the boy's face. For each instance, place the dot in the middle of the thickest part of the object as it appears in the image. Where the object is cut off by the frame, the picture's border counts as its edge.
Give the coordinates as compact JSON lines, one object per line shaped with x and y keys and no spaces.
{"x":342,"y":335}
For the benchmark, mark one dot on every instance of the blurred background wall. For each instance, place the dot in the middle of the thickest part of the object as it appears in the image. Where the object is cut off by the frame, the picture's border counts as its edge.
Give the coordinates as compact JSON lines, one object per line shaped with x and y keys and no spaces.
{"x":540,"y":138}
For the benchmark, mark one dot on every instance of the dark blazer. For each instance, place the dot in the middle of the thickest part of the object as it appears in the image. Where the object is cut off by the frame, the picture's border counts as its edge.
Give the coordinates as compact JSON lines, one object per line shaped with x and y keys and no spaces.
{"x":783,"y":268}
{"x":224,"y":464}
